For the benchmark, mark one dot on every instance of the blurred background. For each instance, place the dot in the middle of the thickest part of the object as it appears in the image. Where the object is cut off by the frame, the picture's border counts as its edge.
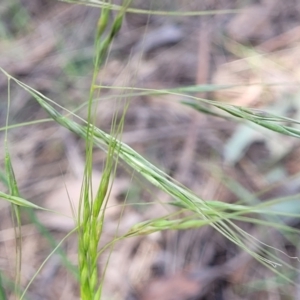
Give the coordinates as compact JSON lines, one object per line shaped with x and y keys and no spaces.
{"x":252,"y":44}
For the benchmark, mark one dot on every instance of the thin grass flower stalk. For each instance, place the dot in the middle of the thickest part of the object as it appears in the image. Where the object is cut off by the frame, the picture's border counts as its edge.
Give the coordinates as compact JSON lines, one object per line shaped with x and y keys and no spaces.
{"x":91,"y":210}
{"x":104,"y":4}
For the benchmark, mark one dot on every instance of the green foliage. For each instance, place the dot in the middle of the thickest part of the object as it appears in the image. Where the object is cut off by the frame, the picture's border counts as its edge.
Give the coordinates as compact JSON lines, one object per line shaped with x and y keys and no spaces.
{"x":91,"y":212}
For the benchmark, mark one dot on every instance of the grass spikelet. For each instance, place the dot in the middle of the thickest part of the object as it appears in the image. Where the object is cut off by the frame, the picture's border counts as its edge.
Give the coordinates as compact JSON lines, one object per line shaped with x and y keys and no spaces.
{"x":92,"y":207}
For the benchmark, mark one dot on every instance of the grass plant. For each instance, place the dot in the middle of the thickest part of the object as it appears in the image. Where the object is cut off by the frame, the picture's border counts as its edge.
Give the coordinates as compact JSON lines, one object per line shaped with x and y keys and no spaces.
{"x":91,"y":211}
